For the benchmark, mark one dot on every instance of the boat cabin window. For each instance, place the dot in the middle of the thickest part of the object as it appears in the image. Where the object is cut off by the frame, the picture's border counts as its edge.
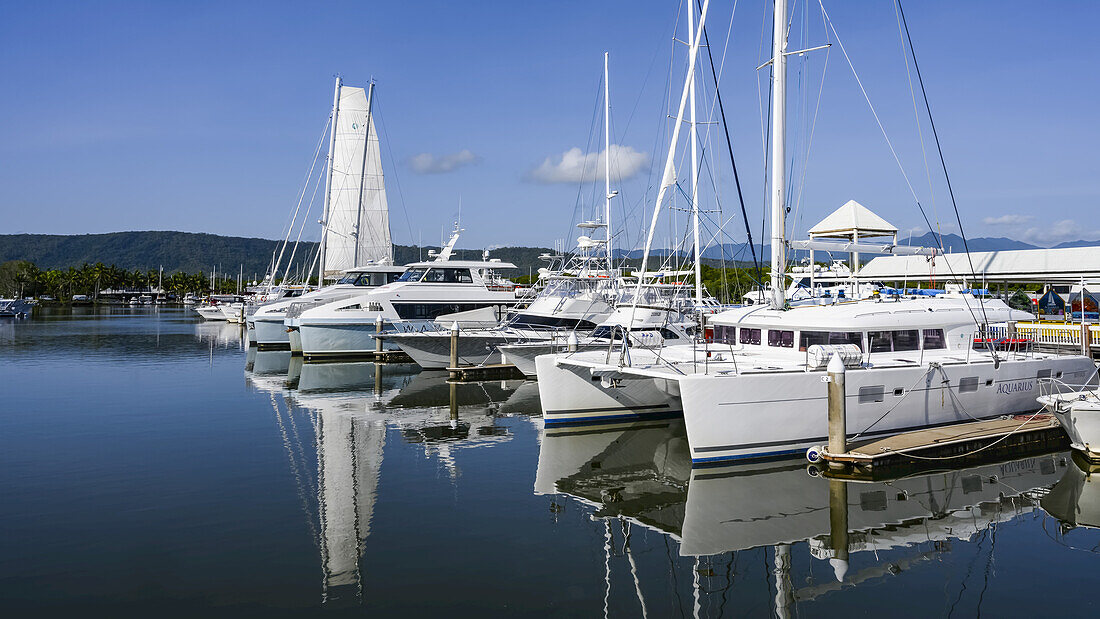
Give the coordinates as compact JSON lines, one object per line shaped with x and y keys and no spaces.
{"x":412,"y":275}
{"x":448,"y":276}
{"x":750,"y":336}
{"x":934,"y":340}
{"x":784,"y":339}
{"x":896,"y":341}
{"x":810,"y":338}
{"x":725,"y":335}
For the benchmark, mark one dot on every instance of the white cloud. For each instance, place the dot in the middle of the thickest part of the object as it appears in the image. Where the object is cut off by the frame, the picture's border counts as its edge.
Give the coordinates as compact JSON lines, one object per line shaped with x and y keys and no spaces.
{"x":427,"y":163}
{"x":1007,"y":220}
{"x":576,"y":166}
{"x":1057,"y":232}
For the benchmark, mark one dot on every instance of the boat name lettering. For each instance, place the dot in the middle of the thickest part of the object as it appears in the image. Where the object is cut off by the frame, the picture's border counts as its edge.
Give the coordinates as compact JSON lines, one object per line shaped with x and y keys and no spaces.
{"x":1015,"y":386}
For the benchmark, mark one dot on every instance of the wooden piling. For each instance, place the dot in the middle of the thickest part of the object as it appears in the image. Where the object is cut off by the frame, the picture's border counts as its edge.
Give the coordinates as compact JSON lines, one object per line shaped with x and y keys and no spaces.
{"x":838,"y":437}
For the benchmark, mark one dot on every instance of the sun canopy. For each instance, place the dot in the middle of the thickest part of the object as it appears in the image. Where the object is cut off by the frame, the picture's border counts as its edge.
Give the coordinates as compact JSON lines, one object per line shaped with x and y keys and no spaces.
{"x":852,"y":219}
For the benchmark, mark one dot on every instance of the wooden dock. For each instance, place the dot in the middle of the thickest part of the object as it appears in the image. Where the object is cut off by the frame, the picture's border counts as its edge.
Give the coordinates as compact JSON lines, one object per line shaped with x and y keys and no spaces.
{"x":953,"y":446}
{"x":495,"y":371}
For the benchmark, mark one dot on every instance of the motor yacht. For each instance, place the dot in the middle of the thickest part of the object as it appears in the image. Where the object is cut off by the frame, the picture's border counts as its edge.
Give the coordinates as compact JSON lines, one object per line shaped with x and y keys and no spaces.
{"x":467,"y":292}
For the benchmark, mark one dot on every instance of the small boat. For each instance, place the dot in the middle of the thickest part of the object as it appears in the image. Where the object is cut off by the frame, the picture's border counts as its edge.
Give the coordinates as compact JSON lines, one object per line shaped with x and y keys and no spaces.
{"x":15,"y":308}
{"x":1079,"y":414}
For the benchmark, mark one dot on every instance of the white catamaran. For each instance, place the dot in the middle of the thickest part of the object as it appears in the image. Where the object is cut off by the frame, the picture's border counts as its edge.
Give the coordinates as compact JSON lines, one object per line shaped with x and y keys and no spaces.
{"x":355,"y":248}
{"x":757,"y":392}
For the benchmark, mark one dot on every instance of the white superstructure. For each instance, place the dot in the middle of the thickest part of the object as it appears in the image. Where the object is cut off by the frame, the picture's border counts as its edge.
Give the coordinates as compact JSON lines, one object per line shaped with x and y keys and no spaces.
{"x":467,"y":292}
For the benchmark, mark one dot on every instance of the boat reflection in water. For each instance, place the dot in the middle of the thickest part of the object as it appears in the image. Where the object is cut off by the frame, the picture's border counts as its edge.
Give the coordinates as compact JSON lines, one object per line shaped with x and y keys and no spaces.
{"x":351,"y":409}
{"x":220,"y":335}
{"x":641,"y":475}
{"x":1075,"y":499}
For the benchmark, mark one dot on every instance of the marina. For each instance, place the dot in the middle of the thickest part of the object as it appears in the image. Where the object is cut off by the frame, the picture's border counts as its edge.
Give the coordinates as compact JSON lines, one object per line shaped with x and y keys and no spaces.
{"x":338,"y":481}
{"x":820,"y":370}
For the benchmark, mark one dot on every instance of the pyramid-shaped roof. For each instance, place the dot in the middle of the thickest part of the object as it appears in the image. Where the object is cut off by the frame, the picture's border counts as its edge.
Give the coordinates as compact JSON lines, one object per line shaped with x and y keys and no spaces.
{"x":853,"y":217}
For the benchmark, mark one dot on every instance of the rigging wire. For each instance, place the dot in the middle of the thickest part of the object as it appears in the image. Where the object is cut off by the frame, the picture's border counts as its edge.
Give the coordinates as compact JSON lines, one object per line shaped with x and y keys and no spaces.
{"x":729,"y":142}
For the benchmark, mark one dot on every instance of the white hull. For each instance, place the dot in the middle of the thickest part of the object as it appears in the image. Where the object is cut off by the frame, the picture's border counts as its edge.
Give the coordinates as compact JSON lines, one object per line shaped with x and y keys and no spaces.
{"x":270,"y":332}
{"x":339,"y":340}
{"x":570,"y":395}
{"x":210,"y":312}
{"x":432,"y":351}
{"x":779,"y":414}
{"x":1080,"y":418}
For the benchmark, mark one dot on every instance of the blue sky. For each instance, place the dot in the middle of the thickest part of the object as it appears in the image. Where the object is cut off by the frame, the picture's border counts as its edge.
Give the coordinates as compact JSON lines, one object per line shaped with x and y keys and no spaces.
{"x":203,"y":116}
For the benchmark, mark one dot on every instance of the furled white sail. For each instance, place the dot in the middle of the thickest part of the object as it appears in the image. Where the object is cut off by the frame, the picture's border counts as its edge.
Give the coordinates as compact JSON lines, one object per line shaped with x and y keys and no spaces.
{"x":357,"y":227}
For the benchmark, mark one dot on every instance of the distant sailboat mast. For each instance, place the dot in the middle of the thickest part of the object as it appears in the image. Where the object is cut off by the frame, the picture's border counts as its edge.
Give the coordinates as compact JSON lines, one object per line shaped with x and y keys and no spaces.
{"x":694,"y":137}
{"x":607,"y":163}
{"x":328,"y":182}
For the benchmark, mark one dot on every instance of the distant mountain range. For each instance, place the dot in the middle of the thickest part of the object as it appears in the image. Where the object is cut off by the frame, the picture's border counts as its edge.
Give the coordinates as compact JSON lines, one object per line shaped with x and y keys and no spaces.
{"x":197,"y":252}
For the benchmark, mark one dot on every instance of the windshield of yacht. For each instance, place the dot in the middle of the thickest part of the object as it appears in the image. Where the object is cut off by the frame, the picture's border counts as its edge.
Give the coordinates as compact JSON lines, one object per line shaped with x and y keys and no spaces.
{"x":412,"y":275}
{"x":349,"y":278}
{"x":448,"y":276}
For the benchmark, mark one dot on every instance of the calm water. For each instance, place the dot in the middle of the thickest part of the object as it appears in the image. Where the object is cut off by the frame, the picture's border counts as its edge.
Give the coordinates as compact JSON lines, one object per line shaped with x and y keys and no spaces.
{"x":152,"y":464}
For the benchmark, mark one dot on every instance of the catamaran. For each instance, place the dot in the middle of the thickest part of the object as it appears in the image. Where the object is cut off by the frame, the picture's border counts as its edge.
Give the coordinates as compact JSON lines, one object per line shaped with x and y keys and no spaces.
{"x":356,"y":248}
{"x":756,"y":391}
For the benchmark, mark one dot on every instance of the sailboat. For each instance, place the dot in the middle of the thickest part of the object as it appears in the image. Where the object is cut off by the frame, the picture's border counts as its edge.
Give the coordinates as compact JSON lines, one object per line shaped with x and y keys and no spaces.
{"x":757,"y":391}
{"x":355,"y":252}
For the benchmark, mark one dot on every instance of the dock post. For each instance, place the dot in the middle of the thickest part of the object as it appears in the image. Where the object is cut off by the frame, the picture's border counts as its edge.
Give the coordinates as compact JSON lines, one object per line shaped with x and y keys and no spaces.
{"x":1086,"y":345}
{"x":377,"y":332}
{"x":572,"y":342}
{"x":838,"y":439}
{"x":454,"y":344}
{"x":838,"y":527}
{"x":454,"y":403}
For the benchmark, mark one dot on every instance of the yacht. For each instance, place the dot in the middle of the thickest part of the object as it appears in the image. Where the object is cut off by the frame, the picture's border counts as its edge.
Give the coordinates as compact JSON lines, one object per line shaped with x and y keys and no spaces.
{"x":757,"y":392}
{"x":17,"y":308}
{"x":466,"y":292}
{"x":267,"y":320}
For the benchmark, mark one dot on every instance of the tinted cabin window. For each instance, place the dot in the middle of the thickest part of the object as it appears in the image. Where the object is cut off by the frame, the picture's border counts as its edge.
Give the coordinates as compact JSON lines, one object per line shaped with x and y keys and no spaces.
{"x":812,"y":338}
{"x":880,"y":341}
{"x":906,"y":340}
{"x":783,"y":339}
{"x":968,"y":384}
{"x":412,"y":275}
{"x":449,"y":276}
{"x":933,"y":339}
{"x":750,"y":336}
{"x":846,"y":337}
{"x":725,"y":335}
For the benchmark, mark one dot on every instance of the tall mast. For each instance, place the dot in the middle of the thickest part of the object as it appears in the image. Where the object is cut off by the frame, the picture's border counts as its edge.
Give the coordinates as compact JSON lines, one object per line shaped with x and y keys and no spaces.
{"x":328,"y":183}
{"x":607,"y":161}
{"x":694,"y":137}
{"x":363,"y":172}
{"x":778,"y":159}
{"x":668,"y":177}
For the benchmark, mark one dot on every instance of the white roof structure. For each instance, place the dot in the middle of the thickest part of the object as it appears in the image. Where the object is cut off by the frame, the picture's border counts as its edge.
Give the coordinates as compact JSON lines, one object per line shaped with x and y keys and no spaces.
{"x":852,"y":219}
{"x":1066,"y":265}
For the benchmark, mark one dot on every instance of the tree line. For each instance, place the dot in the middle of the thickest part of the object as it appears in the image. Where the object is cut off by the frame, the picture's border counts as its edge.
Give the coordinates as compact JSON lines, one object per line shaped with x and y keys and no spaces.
{"x":24,"y":279}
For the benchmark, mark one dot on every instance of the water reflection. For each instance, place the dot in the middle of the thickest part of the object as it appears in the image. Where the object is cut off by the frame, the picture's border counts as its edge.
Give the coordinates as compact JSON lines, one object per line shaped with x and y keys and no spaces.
{"x":641,"y":476}
{"x":351,"y":408}
{"x":1075,"y":499}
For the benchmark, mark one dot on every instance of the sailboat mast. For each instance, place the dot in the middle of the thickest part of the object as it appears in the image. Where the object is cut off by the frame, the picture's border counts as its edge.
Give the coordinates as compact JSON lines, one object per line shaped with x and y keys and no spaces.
{"x":328,"y":183}
{"x":668,"y":177}
{"x":694,"y":137}
{"x":363,"y":172}
{"x":607,"y":162}
{"x":778,"y":158}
